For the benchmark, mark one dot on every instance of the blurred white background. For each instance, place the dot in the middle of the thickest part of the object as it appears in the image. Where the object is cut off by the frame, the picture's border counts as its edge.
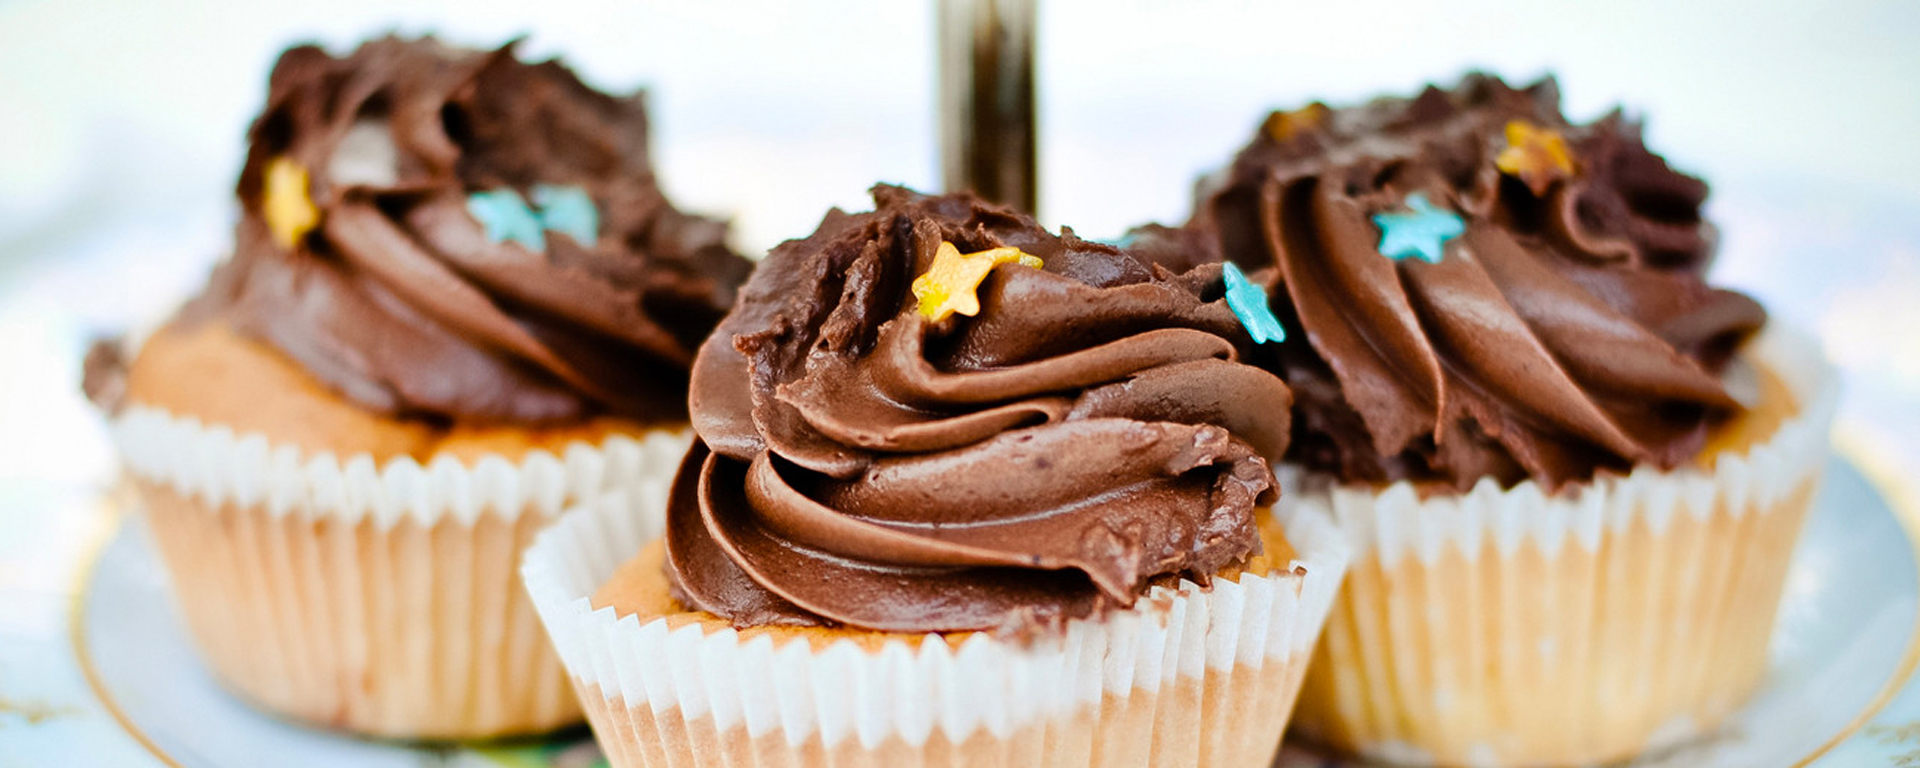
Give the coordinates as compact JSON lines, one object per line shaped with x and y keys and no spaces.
{"x":121,"y":128}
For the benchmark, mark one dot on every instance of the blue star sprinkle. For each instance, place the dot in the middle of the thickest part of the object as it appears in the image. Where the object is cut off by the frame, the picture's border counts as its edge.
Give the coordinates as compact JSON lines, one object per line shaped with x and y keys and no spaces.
{"x":505,"y":216}
{"x":1249,"y":303}
{"x":569,"y":211}
{"x":1423,"y":233}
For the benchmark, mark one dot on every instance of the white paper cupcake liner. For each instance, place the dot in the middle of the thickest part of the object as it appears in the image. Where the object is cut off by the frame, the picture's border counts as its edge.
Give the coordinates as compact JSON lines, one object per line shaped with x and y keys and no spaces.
{"x":1191,"y":675}
{"x":1509,"y":627}
{"x":376,"y":599}
{"x":216,"y":466}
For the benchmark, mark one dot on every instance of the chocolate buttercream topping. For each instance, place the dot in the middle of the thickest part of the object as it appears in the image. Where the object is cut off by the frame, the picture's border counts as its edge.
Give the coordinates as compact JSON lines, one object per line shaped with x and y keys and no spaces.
{"x":381,"y":282}
{"x":1090,"y":430}
{"x":1567,"y":330}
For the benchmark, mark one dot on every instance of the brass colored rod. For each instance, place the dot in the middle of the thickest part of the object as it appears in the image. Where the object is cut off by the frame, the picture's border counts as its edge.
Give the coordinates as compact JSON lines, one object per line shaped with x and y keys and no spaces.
{"x":986,"y":99}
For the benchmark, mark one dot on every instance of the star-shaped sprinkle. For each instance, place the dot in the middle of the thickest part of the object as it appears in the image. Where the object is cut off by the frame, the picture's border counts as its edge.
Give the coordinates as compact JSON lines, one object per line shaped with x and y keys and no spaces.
{"x":950,"y":284}
{"x":289,"y":211}
{"x":1284,"y":126}
{"x":569,"y":211}
{"x":1536,"y":156}
{"x":1249,"y":303}
{"x":1423,"y":233}
{"x":505,"y":216}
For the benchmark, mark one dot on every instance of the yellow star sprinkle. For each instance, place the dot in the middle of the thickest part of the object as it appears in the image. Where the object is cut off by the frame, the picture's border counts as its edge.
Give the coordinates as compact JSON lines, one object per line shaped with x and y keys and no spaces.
{"x":1284,"y":126}
{"x":949,"y":285}
{"x":289,"y":212}
{"x":1537,"y":156}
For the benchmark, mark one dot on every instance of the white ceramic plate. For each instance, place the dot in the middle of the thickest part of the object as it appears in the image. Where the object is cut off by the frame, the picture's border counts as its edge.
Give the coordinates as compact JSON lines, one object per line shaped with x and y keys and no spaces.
{"x":1845,"y":640}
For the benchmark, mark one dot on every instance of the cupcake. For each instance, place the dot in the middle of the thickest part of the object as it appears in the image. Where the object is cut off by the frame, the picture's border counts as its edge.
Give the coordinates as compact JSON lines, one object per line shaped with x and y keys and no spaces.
{"x":964,"y":493}
{"x":457,"y":303}
{"x":1571,"y":470}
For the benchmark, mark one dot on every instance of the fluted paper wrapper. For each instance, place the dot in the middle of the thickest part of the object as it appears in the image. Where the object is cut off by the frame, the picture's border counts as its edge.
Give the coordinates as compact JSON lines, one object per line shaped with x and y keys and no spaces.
{"x":378,"y":599}
{"x":1191,"y":676}
{"x":1511,"y":628}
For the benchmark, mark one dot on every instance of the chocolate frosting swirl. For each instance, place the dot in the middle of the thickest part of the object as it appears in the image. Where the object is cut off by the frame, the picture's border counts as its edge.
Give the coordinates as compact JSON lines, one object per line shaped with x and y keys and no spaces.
{"x":1569,"y":330}
{"x":1090,"y":430}
{"x":399,"y":300}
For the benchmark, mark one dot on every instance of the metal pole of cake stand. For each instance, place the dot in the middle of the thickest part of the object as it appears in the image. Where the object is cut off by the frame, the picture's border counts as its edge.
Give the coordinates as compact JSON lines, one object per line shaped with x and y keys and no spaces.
{"x":986,"y":99}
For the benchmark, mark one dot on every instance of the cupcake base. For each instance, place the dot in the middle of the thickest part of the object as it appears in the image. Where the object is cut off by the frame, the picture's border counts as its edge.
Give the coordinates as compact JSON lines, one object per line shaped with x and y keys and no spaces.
{"x":413,"y":631}
{"x":352,"y":570}
{"x":1180,"y":725}
{"x":1191,"y":676}
{"x":1511,"y":628}
{"x":1583,"y":658}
